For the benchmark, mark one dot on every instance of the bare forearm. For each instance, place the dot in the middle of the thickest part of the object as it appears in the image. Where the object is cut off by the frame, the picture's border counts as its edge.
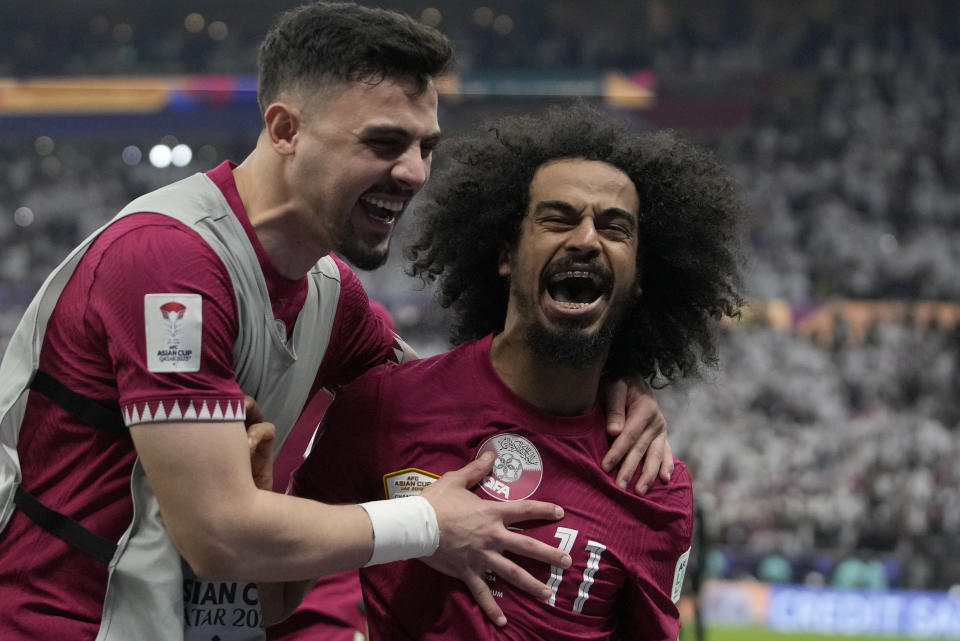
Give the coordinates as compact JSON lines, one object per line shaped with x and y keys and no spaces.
{"x":277,"y":538}
{"x":226,"y":527}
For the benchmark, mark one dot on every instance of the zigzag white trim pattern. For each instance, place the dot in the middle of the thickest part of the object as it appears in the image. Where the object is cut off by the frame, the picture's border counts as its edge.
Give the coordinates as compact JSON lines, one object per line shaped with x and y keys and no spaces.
{"x":184,"y":410}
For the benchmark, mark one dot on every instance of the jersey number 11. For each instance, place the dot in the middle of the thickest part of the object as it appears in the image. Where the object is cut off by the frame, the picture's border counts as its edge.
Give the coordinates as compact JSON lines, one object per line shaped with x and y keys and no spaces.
{"x":568,"y":537}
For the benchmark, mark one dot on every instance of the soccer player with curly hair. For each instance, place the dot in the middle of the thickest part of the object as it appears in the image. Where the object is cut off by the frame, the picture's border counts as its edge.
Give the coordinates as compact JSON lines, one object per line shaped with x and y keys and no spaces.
{"x":571,"y":250}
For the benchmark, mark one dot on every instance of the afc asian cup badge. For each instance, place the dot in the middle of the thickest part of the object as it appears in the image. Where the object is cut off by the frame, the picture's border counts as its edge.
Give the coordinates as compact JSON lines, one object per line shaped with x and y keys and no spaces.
{"x":172,"y":313}
{"x":517,"y":471}
{"x":174,"y":329}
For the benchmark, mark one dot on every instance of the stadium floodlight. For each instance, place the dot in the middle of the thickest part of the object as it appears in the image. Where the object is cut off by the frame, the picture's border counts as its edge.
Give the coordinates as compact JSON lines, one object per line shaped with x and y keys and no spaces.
{"x":160,"y":156}
{"x":23,"y":216}
{"x":181,"y":155}
{"x":131,"y":155}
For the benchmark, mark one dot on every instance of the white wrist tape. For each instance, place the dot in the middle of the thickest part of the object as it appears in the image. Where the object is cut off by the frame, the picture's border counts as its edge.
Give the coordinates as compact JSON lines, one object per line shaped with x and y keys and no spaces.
{"x":404,"y":528}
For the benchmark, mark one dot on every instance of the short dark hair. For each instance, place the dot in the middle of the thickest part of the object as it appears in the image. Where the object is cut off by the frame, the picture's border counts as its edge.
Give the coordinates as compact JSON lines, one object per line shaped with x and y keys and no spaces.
{"x":690,"y":220}
{"x":334,"y":42}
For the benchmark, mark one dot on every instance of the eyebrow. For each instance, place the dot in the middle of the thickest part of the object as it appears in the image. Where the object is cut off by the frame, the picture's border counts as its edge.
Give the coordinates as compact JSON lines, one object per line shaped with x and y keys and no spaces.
{"x":560,"y":205}
{"x":390,"y":130}
{"x":569,"y":210}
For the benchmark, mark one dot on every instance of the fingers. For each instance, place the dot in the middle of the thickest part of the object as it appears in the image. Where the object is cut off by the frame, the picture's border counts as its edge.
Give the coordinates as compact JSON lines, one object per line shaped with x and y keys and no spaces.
{"x":254,"y":415}
{"x":261,"y":435}
{"x":518,"y":511}
{"x":616,"y":402}
{"x":619,"y":448}
{"x":666,"y":467}
{"x":473,"y":472}
{"x":629,"y":465}
{"x":642,"y":424}
{"x":507,"y":570}
{"x":637,"y":440}
{"x":481,"y":594}
{"x":531,"y":548}
{"x":651,"y":465}
{"x":657,"y":462}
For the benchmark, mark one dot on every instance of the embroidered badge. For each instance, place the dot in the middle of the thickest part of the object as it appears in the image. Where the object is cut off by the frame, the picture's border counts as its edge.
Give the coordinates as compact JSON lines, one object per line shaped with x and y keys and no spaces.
{"x":174,"y":324}
{"x":517,"y":471}
{"x":406,"y":482}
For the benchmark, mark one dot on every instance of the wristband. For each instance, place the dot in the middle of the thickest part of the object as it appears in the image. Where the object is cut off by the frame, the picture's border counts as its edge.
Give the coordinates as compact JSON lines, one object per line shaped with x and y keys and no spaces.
{"x":404,"y":528}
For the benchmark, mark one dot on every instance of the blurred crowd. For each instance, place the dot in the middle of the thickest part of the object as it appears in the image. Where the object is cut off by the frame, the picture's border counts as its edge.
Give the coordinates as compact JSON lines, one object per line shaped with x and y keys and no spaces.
{"x":811,"y":454}
{"x":858,"y":184}
{"x":813,"y":462}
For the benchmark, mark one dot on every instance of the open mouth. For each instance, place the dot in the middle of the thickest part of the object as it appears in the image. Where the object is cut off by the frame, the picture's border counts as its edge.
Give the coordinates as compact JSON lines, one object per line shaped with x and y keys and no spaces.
{"x":576,"y":289}
{"x":381,"y":209}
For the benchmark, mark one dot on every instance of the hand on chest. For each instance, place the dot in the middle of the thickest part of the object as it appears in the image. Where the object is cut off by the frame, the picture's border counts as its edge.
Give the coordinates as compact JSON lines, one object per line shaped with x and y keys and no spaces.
{"x":533,"y":466}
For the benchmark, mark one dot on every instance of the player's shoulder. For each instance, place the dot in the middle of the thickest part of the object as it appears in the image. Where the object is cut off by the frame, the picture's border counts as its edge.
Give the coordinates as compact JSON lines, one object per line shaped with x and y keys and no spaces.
{"x":349,"y":280}
{"x":343,"y":266}
{"x":151,"y":241}
{"x":149,"y":229}
{"x":353,"y":299}
{"x":413,"y":381}
{"x":457,"y":360}
{"x":676,"y":493}
{"x":404,"y":373}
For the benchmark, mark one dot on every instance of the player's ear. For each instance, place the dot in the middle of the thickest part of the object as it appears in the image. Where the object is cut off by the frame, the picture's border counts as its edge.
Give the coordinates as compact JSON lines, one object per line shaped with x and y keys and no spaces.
{"x":282,"y":122}
{"x":503,"y":262}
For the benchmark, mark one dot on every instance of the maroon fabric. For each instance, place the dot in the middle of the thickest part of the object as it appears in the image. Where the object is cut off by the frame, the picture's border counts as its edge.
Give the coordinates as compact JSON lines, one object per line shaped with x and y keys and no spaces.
{"x":331,"y":611}
{"x":435,"y":414}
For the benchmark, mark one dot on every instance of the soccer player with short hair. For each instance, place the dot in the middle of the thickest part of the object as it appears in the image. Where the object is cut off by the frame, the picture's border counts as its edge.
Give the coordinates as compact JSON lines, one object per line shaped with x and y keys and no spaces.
{"x":571,"y":250}
{"x":122,"y":391}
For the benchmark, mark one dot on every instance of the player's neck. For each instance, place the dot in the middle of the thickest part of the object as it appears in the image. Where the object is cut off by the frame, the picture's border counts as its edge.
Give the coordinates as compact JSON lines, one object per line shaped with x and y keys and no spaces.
{"x":274,"y":217}
{"x":554,"y":387}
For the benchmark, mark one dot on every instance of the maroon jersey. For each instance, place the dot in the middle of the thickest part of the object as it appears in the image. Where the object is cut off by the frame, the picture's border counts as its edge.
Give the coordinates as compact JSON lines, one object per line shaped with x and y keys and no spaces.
{"x":333,"y":609}
{"x":398,"y":428}
{"x":95,"y":344}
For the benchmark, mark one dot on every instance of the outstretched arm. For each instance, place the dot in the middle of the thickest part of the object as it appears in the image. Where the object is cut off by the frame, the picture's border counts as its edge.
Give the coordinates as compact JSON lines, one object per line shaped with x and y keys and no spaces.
{"x":226,"y":527}
{"x":639,"y":428}
{"x":473,"y":536}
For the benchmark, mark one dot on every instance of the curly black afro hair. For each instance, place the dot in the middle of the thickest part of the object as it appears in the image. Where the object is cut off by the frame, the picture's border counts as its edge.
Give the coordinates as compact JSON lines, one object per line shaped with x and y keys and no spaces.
{"x":688,"y":261}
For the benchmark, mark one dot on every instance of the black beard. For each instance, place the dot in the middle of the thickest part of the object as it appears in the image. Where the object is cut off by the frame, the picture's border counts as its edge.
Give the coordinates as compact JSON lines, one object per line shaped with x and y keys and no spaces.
{"x":364,"y":259}
{"x":352,"y":249}
{"x":568,"y":345}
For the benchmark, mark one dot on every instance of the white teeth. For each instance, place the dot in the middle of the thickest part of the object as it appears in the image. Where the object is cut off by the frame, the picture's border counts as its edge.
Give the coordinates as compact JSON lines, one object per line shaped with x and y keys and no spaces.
{"x":572,"y":305}
{"x":556,"y":278}
{"x":389,"y":205}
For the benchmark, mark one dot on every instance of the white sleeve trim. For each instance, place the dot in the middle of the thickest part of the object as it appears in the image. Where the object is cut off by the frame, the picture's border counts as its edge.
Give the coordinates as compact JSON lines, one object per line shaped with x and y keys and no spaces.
{"x":182,"y":410}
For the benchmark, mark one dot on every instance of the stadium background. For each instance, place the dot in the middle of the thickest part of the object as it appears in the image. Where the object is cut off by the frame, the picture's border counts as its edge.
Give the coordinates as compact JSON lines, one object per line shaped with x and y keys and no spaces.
{"x":824,"y":449}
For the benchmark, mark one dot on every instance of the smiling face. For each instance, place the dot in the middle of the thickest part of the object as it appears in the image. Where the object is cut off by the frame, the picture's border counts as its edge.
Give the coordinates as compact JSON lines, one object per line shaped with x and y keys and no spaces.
{"x":574,"y":268}
{"x":362,"y":152}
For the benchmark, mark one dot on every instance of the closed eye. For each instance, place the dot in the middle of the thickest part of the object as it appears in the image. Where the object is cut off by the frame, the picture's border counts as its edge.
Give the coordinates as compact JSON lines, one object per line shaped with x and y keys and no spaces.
{"x":557,"y":222}
{"x":617,"y":223}
{"x":617,"y":230}
{"x":386,"y":147}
